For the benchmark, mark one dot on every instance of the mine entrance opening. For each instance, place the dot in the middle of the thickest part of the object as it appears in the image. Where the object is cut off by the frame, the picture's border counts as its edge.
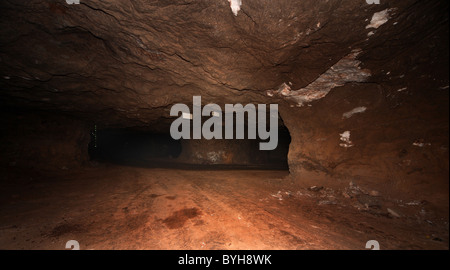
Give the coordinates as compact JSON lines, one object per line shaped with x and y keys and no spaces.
{"x":134,"y":147}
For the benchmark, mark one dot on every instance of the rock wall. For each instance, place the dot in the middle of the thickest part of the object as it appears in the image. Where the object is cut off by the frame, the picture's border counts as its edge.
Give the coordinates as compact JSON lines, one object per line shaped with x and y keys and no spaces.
{"x":395,"y":148}
{"x":43,"y":141}
{"x":389,"y":132}
{"x":364,"y":87}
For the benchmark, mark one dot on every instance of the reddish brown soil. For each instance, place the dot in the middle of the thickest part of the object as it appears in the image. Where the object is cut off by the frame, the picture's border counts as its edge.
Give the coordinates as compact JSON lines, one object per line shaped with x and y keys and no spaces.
{"x":135,"y":208}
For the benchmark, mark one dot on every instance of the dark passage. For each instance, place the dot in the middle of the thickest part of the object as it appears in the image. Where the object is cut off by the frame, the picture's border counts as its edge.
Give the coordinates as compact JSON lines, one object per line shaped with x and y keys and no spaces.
{"x":139,"y":148}
{"x":132,"y":147}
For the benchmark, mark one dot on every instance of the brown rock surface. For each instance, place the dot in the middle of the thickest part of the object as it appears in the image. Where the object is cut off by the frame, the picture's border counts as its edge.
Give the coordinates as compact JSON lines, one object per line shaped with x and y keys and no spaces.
{"x":365,"y":100}
{"x":121,"y":64}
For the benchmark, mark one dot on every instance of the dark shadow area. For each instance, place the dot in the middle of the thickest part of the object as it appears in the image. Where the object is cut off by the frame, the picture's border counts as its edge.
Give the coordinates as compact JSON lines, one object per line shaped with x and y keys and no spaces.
{"x":138,"y":148}
{"x":134,"y":148}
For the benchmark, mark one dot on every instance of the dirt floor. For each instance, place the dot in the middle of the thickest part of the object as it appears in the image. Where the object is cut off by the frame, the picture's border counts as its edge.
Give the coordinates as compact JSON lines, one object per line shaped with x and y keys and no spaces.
{"x":113,"y":207}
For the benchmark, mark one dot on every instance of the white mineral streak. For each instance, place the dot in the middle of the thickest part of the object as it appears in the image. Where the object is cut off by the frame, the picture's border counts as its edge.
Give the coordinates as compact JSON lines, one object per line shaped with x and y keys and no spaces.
{"x":345,"y":138}
{"x":344,"y":71}
{"x":379,"y":18}
{"x":354,"y":111}
{"x":235,"y":6}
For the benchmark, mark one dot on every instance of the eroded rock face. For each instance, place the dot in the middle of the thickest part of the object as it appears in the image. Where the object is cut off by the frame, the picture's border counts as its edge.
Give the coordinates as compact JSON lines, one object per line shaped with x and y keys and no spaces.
{"x":123,"y":64}
{"x":391,"y":129}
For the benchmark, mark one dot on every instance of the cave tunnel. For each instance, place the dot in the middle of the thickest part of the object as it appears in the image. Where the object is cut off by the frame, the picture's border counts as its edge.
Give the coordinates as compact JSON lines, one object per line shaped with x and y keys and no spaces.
{"x":135,"y":147}
{"x":90,"y":94}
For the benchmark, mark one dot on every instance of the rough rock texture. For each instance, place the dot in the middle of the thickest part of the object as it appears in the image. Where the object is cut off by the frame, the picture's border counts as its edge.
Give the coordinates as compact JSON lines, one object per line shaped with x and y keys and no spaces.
{"x":401,"y":139}
{"x":123,"y":64}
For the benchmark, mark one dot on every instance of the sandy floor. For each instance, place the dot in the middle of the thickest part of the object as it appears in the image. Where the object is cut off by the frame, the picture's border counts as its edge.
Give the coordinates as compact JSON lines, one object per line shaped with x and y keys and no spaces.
{"x":112,"y":207}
